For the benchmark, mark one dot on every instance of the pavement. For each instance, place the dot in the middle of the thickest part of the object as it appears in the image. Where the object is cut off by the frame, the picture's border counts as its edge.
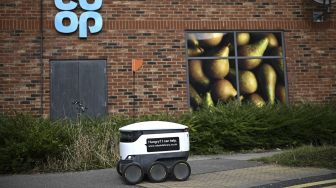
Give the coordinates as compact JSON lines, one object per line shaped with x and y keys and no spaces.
{"x":231,"y":170}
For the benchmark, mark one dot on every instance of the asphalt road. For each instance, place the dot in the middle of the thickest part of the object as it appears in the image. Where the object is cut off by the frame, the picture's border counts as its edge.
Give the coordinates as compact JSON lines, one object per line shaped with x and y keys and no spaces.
{"x":106,"y":178}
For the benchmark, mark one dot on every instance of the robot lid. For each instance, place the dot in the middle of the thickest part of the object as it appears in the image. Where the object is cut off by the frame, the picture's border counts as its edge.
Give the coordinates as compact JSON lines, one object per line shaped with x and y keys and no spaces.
{"x":152,"y":125}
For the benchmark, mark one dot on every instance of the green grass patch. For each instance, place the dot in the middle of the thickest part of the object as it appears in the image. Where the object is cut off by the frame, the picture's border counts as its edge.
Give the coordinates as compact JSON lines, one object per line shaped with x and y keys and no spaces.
{"x":305,"y":156}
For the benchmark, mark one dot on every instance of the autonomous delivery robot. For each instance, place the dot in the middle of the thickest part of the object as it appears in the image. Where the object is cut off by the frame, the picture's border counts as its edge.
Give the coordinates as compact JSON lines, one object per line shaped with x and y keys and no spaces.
{"x":155,"y":149}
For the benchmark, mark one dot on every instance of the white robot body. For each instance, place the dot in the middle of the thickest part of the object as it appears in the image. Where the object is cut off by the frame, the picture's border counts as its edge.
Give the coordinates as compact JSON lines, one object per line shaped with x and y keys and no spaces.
{"x":155,"y":148}
{"x":139,"y":147}
{"x":153,"y":137}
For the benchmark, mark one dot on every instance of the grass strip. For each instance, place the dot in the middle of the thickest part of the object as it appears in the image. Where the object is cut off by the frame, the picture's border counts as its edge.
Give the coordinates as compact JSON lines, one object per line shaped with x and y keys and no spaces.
{"x":305,"y":156}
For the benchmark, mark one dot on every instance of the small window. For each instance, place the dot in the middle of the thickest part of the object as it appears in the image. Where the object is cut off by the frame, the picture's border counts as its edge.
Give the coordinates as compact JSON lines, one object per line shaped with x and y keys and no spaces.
{"x":236,"y":65}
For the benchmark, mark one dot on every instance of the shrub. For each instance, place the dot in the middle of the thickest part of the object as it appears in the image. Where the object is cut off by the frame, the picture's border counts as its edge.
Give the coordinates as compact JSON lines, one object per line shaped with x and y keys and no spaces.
{"x":26,"y":142}
{"x":242,"y":127}
{"x":95,"y":142}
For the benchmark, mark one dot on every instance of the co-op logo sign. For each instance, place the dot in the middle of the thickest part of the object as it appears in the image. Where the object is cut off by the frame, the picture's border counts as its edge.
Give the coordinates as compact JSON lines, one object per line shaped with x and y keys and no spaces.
{"x":81,"y":22}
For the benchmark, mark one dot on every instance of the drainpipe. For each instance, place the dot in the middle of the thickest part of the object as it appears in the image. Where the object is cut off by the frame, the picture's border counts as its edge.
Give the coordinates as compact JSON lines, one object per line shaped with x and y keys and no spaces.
{"x":41,"y":58}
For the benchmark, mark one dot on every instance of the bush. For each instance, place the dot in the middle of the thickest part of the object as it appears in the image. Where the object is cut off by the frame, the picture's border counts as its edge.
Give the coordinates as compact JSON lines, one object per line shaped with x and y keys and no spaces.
{"x":28,"y":143}
{"x":95,"y":143}
{"x":242,"y":127}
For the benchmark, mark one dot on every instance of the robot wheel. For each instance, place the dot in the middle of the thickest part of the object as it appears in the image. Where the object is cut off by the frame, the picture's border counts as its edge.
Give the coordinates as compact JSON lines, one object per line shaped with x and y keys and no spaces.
{"x":157,"y":172}
{"x":133,"y":173}
{"x":181,"y":170}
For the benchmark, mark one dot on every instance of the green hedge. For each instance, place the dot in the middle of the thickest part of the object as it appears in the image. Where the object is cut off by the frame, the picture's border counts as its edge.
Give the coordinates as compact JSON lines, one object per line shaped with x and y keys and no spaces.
{"x":30,"y":144}
{"x":243,"y":127}
{"x":35,"y":144}
{"x":26,"y":142}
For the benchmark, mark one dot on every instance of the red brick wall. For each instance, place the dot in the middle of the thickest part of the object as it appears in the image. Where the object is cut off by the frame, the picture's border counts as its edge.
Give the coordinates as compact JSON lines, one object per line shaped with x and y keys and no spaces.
{"x":154,"y":31}
{"x":19,"y":57}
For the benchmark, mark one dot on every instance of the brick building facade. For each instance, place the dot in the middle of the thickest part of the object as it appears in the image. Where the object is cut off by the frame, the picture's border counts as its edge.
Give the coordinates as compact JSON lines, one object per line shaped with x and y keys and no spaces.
{"x":154,"y":31}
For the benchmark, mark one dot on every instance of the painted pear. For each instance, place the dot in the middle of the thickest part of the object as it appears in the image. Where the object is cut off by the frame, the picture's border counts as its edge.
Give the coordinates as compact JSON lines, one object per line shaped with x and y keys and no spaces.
{"x":197,"y":75}
{"x":192,"y":40}
{"x":195,"y":98}
{"x":209,"y":39}
{"x":255,"y":49}
{"x":197,"y":51}
{"x":208,"y":102}
{"x":257,"y":100}
{"x":273,"y":41}
{"x":219,"y":68}
{"x":222,"y":90}
{"x":243,"y":38}
{"x":247,"y":82}
{"x":268,"y":78}
{"x":278,"y":64}
{"x":280,"y":93}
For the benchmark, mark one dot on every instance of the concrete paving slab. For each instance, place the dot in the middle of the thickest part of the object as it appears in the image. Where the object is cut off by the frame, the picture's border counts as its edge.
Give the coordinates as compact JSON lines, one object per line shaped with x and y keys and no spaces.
{"x":245,"y":177}
{"x":207,"y":171}
{"x":108,"y":177}
{"x":235,"y":156}
{"x":216,"y":165}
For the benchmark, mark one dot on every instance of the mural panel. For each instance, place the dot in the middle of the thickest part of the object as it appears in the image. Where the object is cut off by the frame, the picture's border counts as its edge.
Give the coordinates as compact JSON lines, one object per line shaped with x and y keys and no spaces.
{"x":245,"y":66}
